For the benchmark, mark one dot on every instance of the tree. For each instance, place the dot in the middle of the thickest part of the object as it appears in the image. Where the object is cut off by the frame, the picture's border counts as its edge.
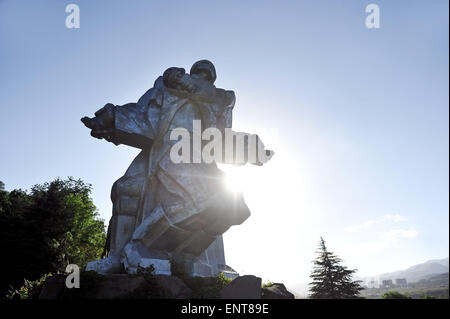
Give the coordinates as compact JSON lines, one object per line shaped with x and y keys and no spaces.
{"x":5,"y":203}
{"x":43,"y":230}
{"x":331,"y":280}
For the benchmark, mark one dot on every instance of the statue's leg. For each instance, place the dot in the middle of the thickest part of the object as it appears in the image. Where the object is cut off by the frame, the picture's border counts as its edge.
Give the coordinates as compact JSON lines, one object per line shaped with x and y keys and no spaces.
{"x":191,"y":212}
{"x":125,"y":195}
{"x":157,"y":240}
{"x":122,"y":227}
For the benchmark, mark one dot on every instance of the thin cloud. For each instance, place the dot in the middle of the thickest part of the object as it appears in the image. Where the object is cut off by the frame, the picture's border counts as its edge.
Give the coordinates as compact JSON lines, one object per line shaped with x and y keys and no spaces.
{"x":396,"y":234}
{"x":361,"y":227}
{"x":396,"y":218}
{"x":383,"y":240}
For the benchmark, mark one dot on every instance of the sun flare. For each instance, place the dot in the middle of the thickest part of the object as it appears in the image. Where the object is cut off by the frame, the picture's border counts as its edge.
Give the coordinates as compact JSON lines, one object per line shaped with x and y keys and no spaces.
{"x":235,"y":179}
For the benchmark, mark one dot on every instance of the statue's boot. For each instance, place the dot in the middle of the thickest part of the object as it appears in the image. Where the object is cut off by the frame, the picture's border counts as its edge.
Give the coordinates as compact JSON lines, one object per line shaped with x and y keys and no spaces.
{"x":120,"y":230}
{"x":108,"y":265}
{"x":158,"y":238}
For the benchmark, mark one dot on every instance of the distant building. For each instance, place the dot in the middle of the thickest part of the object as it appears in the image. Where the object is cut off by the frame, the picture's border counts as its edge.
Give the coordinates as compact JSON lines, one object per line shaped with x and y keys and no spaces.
{"x":401,"y":283}
{"x":387,"y":284}
{"x":372,"y":283}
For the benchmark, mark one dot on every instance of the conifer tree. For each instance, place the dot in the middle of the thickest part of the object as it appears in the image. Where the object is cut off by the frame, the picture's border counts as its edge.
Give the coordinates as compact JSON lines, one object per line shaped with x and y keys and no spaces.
{"x":331,"y":280}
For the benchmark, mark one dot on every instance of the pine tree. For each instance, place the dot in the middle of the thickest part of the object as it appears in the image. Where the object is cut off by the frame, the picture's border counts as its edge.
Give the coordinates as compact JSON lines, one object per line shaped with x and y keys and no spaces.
{"x":331,"y":280}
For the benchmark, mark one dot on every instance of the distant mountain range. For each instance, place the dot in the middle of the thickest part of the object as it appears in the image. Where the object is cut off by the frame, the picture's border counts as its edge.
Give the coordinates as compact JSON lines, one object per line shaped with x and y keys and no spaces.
{"x":417,"y":272}
{"x":430,"y":270}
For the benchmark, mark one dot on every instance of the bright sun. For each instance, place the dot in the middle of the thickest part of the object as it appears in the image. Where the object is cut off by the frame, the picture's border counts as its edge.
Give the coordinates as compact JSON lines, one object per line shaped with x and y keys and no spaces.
{"x":239,"y":178}
{"x":235,"y":180}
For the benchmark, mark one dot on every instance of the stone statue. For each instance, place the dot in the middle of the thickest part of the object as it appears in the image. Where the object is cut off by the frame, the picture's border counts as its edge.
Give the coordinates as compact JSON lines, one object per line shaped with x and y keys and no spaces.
{"x":163,"y":210}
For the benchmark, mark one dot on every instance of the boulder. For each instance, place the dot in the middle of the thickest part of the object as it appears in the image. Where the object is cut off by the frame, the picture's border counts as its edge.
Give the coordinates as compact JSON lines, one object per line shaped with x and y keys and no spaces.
{"x":276,"y":291}
{"x":172,"y":287}
{"x":116,"y":286}
{"x":148,"y":286}
{"x":53,"y":287}
{"x":244,"y":287}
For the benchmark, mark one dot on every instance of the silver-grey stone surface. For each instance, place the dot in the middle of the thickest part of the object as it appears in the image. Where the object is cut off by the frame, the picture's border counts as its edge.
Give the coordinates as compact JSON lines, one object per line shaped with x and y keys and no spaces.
{"x":161,"y":208}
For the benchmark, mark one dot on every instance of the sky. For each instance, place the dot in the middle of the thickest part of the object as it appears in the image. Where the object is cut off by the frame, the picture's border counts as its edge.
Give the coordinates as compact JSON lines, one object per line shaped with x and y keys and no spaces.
{"x":360,"y":115}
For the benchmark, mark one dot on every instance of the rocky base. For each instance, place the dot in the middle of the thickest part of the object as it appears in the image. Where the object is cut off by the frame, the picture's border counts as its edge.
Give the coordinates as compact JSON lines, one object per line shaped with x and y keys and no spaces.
{"x":146,"y":286}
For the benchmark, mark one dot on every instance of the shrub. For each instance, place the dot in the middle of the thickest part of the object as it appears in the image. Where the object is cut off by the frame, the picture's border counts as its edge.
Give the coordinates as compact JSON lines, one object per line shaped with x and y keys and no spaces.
{"x":29,"y":290}
{"x":394,"y":295}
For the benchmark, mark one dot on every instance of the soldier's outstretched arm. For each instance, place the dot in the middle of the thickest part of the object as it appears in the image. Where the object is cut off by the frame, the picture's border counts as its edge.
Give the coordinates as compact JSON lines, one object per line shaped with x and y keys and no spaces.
{"x":102,"y":124}
{"x":127,"y":124}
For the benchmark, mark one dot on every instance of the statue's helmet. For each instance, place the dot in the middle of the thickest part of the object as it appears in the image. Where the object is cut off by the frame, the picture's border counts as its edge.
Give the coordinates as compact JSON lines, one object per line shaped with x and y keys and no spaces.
{"x":204,"y":66}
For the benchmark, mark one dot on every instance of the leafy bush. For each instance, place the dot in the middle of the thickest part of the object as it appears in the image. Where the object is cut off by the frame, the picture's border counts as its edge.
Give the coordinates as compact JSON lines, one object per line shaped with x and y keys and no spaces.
{"x":394,"y":295}
{"x":202,"y":288}
{"x":267,"y":284}
{"x":206,"y":287}
{"x":43,"y":230}
{"x":29,"y":290}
